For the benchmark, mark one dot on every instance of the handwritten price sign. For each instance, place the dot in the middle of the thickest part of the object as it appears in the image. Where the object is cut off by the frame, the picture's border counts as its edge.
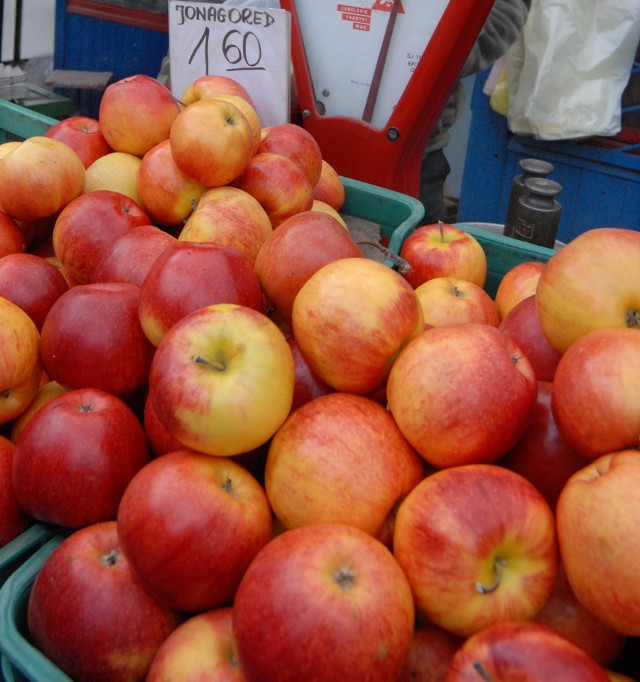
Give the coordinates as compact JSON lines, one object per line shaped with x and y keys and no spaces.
{"x":250,"y":45}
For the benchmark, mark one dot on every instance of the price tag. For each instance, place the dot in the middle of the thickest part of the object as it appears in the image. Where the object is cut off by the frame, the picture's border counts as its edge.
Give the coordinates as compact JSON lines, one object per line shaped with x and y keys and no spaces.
{"x":249,"y":44}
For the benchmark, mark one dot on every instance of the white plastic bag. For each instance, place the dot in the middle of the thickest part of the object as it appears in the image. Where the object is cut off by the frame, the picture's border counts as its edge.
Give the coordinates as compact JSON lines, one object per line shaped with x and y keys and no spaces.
{"x":570,"y":66}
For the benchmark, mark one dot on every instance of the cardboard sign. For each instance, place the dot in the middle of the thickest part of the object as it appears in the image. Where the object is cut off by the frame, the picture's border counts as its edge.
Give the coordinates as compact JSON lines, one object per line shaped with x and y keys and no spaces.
{"x":249,"y":44}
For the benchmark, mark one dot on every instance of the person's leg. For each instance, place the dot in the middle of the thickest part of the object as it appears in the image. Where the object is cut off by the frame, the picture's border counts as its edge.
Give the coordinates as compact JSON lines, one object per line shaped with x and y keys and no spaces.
{"x":433,"y":174}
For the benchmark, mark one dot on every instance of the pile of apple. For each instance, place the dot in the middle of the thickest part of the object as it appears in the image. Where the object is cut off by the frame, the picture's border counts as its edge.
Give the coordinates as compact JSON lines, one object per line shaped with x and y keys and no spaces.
{"x":272,"y":458}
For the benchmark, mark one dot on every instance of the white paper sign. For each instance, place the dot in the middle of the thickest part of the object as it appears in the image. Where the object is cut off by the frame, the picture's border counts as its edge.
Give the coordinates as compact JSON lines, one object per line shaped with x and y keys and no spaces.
{"x":252,"y":45}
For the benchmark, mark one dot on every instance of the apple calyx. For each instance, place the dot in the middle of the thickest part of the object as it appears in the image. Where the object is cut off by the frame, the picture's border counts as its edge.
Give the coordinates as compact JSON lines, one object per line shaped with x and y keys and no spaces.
{"x":478,"y":667}
{"x":402,"y":265}
{"x":633,"y":319}
{"x":214,"y":364}
{"x":344,"y":578}
{"x":227,"y":486}
{"x":6,"y":393}
{"x":111,"y":558}
{"x":498,"y":570}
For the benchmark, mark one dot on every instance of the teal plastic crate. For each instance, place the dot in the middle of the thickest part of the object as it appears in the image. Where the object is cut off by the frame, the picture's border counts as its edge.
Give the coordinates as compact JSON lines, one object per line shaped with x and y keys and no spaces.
{"x":19,"y":122}
{"x":18,"y":550}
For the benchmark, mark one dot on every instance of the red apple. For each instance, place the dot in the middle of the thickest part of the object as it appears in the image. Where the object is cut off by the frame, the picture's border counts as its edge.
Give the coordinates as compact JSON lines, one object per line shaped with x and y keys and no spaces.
{"x":88,"y":614}
{"x":222,"y":379}
{"x":519,"y":282}
{"x":92,"y":338}
{"x":192,"y":556}
{"x":13,"y":518}
{"x":591,"y":283}
{"x":21,"y":366}
{"x":297,"y":144}
{"x":451,"y":300}
{"x":542,"y":455}
{"x":84,"y":135}
{"x":136,"y":113}
{"x":213,"y":85}
{"x":360,"y":305}
{"x":478,"y":546}
{"x":89,"y":225}
{"x":329,"y":572}
{"x":39,"y":178}
{"x":131,"y":255}
{"x":319,"y":205}
{"x":522,"y":324}
{"x":443,"y":250}
{"x":278,"y":183}
{"x":329,"y":187}
{"x":203,"y":647}
{"x":528,"y":652}
{"x":247,"y":108}
{"x":168,"y":195}
{"x":116,"y":172}
{"x":228,"y":216}
{"x":211,"y":141}
{"x":32,"y":283}
{"x":565,"y":614}
{"x":11,"y":238}
{"x":298,"y":248}
{"x":47,"y":391}
{"x":160,"y":440}
{"x":328,"y":463}
{"x":598,"y":519}
{"x":307,"y":385}
{"x":190,"y":275}
{"x":430,"y":655}
{"x":462,"y":394}
{"x":595,"y":387}
{"x":75,"y":457}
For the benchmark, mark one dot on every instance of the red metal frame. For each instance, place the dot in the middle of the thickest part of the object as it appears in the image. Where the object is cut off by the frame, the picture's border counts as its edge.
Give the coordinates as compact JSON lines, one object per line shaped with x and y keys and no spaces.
{"x":391,"y":157}
{"x":119,"y":14}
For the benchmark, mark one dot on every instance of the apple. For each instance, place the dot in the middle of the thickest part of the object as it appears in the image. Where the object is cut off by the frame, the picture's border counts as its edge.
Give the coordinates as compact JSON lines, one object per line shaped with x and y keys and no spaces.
{"x":211,"y":141}
{"x":518,"y":282}
{"x":167,"y":194}
{"x":360,"y":305}
{"x":595,"y":387}
{"x":203,"y":647}
{"x":21,"y":366}
{"x":71,"y":281}
{"x":131,"y":255}
{"x":597,"y":519}
{"x":88,"y":226}
{"x":348,"y":612}
{"x":160,"y":440}
{"x":83,"y":134}
{"x":191,"y":557}
{"x":565,"y":614}
{"x":443,"y":250}
{"x":330,"y":187}
{"x":295,"y":250}
{"x":136,"y":113}
{"x":47,"y":391}
{"x":328,"y":463}
{"x":90,"y":616}
{"x":307,"y":385}
{"x":522,"y":324}
{"x":92,"y":338}
{"x":591,"y":283}
{"x":190,"y":275}
{"x":13,"y":518}
{"x":11,"y":238}
{"x":228,"y":216}
{"x":278,"y":183}
{"x":431,"y":652}
{"x":462,"y":394}
{"x":542,"y":455}
{"x":32,"y":283}
{"x":450,"y":300}
{"x":528,"y":652}
{"x":116,"y":171}
{"x":213,"y":85}
{"x":319,"y":205}
{"x":297,"y":144}
{"x":39,"y":178}
{"x":75,"y":457}
{"x":477,"y":543}
{"x":222,"y":379}
{"x":247,"y":108}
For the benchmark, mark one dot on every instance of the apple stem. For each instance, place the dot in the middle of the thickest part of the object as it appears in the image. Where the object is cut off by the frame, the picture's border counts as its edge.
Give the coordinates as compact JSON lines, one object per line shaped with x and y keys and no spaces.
{"x":441,"y":228}
{"x":633,"y":319}
{"x":400,"y":263}
{"x":478,"y":667}
{"x":214,"y":364}
{"x":498,"y":569}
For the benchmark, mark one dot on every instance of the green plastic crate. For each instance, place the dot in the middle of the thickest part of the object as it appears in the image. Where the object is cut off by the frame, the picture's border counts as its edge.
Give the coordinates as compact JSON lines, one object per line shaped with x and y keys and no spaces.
{"x":16,"y":552}
{"x":19,"y":122}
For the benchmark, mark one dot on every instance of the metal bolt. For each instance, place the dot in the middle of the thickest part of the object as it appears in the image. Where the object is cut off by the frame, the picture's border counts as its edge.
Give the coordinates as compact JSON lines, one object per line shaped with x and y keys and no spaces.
{"x":393,"y":134}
